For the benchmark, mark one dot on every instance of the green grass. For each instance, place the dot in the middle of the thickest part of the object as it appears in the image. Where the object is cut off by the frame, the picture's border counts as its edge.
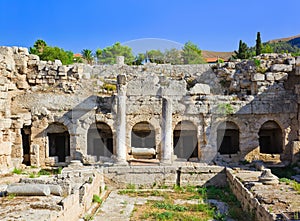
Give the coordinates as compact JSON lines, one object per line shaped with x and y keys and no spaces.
{"x":17,"y":171}
{"x":44,"y":172}
{"x":169,"y":206}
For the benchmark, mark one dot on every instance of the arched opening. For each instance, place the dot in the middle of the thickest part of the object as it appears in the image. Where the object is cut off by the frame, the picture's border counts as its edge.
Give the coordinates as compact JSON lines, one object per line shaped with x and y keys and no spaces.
{"x":185,"y":142}
{"x":59,"y":141}
{"x":143,"y":136}
{"x":228,"y":138}
{"x":100,"y":140}
{"x":270,"y":138}
{"x":26,"y":133}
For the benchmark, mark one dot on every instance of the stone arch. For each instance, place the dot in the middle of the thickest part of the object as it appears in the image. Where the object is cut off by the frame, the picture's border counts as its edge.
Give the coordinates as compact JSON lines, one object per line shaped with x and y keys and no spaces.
{"x":228,"y":138}
{"x":143,"y":135}
{"x":100,"y":140}
{"x":270,"y":138}
{"x":185,"y":142}
{"x":58,"y":141}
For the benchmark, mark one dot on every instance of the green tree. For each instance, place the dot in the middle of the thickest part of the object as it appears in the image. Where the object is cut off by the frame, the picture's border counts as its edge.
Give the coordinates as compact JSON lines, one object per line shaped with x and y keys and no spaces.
{"x":139,"y":59}
{"x":243,"y":51}
{"x":98,"y":54}
{"x":155,"y":56}
{"x":258,"y":46}
{"x":267,"y":48}
{"x":87,"y":55}
{"x":192,"y":54}
{"x":48,"y":53}
{"x":109,"y":54}
{"x":173,"y":56}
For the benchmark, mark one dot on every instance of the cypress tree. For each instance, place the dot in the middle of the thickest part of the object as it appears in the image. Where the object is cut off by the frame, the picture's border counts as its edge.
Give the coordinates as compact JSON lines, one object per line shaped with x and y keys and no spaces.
{"x":258,"y":46}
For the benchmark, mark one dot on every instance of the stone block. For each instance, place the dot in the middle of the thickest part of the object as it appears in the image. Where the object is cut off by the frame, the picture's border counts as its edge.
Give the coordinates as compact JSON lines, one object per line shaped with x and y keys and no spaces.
{"x":258,"y":77}
{"x":5,"y":123}
{"x":57,"y":62}
{"x":280,"y":76}
{"x":5,"y":148}
{"x":291,"y":61}
{"x":270,"y":76}
{"x":281,"y":68}
{"x":199,"y":89}
{"x":173,"y":88}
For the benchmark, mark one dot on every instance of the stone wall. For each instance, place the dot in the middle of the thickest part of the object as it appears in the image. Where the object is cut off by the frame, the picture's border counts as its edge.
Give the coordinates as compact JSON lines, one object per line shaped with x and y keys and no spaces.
{"x":45,"y":97}
{"x":156,"y":177}
{"x":248,"y":202}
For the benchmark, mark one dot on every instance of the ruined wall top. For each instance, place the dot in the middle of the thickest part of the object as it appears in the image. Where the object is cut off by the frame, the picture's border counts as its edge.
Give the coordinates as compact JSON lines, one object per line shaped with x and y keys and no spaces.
{"x":23,"y":71}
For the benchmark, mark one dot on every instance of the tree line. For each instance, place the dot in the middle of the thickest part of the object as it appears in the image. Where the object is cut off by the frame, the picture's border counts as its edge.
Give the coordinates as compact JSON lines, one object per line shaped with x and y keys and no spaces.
{"x":189,"y":54}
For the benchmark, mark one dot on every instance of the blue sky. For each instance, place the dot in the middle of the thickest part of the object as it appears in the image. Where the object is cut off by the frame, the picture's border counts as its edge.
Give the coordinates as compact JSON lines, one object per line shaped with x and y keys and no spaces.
{"x":212,"y":24}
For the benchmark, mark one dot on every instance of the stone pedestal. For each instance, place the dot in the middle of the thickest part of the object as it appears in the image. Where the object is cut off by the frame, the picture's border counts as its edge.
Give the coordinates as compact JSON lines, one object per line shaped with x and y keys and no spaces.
{"x":166,"y":137}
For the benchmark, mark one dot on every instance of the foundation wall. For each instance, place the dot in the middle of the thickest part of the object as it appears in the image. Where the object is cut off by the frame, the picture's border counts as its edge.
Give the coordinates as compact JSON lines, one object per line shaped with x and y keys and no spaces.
{"x":248,"y":201}
{"x":155,"y":176}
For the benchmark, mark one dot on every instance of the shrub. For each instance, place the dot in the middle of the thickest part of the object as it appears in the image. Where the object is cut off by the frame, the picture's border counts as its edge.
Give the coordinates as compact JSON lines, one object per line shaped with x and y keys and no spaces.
{"x":109,"y":87}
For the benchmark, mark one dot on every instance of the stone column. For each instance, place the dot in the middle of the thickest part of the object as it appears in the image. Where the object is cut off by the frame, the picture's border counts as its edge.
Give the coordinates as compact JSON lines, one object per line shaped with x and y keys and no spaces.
{"x":166,"y":135}
{"x":121,"y":149}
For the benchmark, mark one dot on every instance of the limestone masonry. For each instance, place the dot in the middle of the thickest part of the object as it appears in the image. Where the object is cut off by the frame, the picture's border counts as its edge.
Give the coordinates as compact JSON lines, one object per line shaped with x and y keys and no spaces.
{"x":51,"y":114}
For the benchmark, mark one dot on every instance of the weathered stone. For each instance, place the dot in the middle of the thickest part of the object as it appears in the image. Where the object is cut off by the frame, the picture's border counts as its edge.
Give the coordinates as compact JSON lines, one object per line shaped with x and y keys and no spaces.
{"x":200,"y":89}
{"x":57,"y":62}
{"x":258,"y":77}
{"x":281,"y":68}
{"x":280,"y":76}
{"x":270,"y":76}
{"x":28,"y":189}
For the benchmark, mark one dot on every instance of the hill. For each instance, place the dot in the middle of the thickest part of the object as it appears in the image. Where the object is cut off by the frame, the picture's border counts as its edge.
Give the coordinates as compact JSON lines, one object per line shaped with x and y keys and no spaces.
{"x":288,"y":44}
{"x":285,"y":39}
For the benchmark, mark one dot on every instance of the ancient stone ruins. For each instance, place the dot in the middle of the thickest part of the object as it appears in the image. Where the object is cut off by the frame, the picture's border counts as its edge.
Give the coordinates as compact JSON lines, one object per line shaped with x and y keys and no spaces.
{"x":122,"y":117}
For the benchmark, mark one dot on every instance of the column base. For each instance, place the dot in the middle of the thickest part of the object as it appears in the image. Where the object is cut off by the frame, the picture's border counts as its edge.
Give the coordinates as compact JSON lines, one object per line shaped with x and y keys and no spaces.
{"x":121,"y":162}
{"x":165,"y":163}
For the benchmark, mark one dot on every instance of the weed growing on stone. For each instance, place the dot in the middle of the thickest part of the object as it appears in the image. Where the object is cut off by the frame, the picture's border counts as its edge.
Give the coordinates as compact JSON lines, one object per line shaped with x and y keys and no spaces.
{"x":11,"y":196}
{"x":97,"y":199}
{"x":88,"y":217}
{"x":33,"y":175}
{"x":130,"y":186}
